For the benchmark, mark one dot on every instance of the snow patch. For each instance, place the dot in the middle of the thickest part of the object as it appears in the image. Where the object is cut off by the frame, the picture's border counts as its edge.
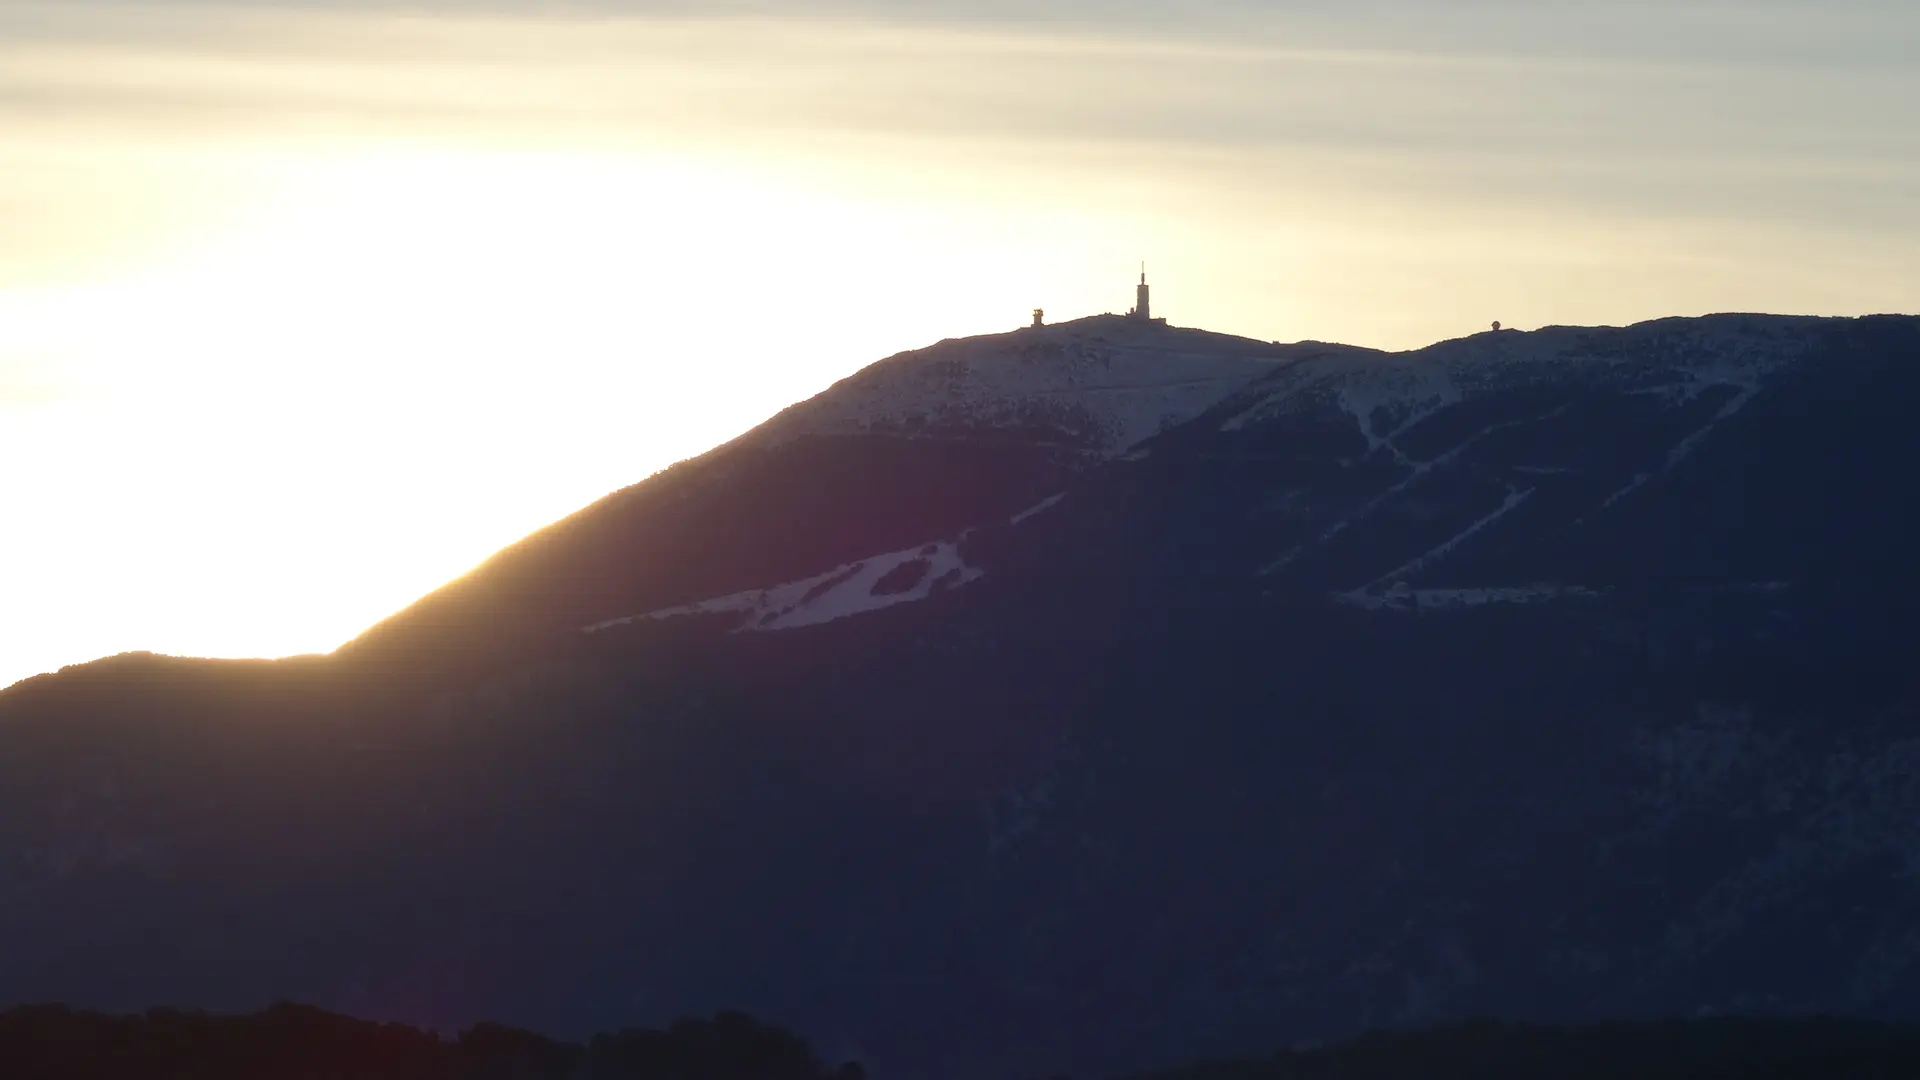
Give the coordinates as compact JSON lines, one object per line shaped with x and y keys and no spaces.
{"x":1418,"y":470}
{"x":1402,"y":598}
{"x":1042,"y":506}
{"x":872,"y":584}
{"x":1513,"y":499}
{"x":1685,"y":446}
{"x":1281,"y":561}
{"x":1419,"y":390}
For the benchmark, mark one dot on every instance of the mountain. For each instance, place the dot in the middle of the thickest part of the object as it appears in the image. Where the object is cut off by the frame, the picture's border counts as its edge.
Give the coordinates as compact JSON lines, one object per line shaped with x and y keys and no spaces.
{"x":1083,"y":699}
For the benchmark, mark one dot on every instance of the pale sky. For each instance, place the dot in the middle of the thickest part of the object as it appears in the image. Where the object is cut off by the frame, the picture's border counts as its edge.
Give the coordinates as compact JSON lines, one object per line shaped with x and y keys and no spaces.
{"x":306,"y":308}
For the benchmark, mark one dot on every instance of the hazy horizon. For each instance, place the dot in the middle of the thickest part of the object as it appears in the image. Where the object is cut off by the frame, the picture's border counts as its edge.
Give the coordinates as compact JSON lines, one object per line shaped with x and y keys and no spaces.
{"x":307,"y":308}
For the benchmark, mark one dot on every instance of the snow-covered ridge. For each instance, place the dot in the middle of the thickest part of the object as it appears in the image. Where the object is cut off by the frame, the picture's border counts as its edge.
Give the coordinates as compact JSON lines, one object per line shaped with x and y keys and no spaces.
{"x":856,"y":588}
{"x":1387,"y":393}
{"x":1104,"y":383}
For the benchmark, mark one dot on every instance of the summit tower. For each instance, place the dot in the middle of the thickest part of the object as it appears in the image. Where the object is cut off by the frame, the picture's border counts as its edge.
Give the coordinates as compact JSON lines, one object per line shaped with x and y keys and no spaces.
{"x":1141,"y":308}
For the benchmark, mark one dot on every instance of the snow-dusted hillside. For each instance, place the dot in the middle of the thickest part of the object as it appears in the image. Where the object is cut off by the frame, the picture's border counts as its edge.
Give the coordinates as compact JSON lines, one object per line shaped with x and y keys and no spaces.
{"x":1103,"y":383}
{"x":1388,"y":393}
{"x":1510,"y":426}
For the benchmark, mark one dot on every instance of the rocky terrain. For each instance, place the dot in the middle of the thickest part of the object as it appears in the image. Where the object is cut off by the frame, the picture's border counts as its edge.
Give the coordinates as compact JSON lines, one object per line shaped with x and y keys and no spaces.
{"x":1088,"y":698}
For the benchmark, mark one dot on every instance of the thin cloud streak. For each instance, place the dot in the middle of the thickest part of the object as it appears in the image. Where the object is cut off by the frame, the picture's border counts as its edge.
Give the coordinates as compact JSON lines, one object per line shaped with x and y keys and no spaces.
{"x":1513,"y":127}
{"x":1770,"y":34}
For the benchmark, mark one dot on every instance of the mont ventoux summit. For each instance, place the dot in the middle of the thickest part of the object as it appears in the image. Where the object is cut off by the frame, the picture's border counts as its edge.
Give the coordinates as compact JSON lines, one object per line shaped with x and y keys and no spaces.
{"x":1095,"y":696}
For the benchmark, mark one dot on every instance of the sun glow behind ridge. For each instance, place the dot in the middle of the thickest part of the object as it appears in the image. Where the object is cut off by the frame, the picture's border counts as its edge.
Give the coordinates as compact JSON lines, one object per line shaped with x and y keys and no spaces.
{"x":407,"y":362}
{"x":303,"y":313}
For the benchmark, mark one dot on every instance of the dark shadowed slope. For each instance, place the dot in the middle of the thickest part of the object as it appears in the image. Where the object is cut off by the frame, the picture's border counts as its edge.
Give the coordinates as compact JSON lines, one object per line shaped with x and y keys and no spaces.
{"x":1083,"y":699}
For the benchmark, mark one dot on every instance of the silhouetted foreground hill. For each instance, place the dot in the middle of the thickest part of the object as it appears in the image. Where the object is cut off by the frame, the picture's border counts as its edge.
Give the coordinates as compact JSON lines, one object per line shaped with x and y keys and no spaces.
{"x":296,"y":1042}
{"x":293,"y":1042}
{"x":1079,"y":700}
